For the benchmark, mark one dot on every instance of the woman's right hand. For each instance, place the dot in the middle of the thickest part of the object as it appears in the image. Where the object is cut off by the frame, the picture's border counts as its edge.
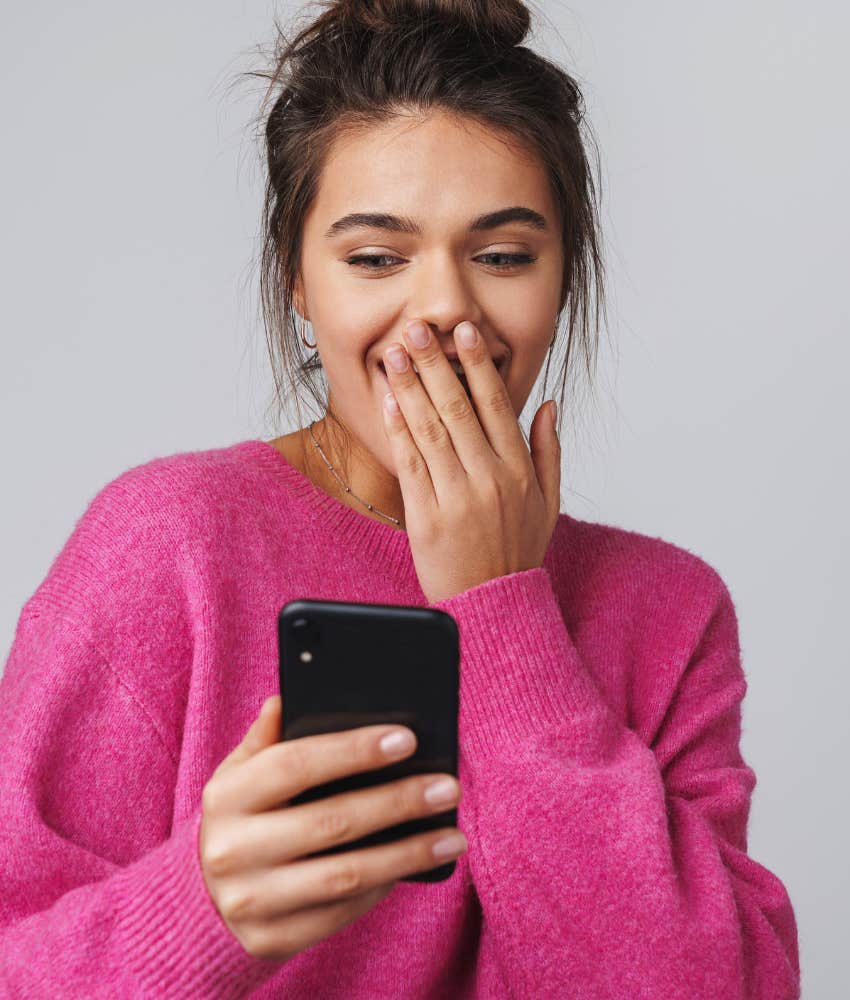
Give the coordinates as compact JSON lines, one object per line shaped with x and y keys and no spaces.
{"x":253,"y":845}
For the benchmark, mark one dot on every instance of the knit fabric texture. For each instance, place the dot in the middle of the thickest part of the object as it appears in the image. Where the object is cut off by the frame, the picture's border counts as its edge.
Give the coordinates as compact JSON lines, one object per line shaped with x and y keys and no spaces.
{"x":604,"y":796}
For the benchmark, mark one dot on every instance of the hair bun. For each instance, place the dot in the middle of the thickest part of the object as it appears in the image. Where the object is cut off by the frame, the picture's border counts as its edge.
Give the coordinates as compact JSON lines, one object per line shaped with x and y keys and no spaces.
{"x":498,"y":22}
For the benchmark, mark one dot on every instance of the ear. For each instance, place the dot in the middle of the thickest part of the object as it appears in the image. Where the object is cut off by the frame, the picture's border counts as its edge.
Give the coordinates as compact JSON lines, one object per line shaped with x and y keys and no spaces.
{"x":298,"y":299}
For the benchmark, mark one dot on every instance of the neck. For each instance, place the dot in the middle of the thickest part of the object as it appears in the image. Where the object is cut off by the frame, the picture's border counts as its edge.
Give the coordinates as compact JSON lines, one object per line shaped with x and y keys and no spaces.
{"x":357,"y":467}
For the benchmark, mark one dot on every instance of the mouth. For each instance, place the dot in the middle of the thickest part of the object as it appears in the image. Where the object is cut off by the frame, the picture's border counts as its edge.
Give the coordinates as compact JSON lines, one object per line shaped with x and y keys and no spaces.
{"x":501,"y":366}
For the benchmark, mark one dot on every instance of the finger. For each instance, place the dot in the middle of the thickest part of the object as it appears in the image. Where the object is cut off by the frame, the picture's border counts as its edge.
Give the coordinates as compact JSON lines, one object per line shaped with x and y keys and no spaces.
{"x":492,"y":401}
{"x":425,"y":423}
{"x":297,"y":831}
{"x":329,"y":878}
{"x":414,"y":476}
{"x":545,"y":450}
{"x":279,"y":937}
{"x":452,"y":398}
{"x":283,"y":770}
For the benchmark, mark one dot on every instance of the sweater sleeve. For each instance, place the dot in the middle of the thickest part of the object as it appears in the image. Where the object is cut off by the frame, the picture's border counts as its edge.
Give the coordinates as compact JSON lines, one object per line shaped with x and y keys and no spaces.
{"x":101,"y":896}
{"x":606,"y":865}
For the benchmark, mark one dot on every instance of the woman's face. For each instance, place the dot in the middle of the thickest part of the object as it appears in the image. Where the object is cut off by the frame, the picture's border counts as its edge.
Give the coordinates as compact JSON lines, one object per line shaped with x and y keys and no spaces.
{"x":436,"y":175}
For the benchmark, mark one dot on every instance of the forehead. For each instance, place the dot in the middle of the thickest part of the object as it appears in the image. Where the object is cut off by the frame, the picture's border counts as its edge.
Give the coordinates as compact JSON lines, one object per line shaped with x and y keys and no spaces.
{"x":440,"y":170}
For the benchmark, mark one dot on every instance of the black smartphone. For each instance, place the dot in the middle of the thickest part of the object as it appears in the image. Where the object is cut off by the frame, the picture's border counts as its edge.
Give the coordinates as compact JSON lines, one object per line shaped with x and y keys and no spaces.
{"x":344,"y":665}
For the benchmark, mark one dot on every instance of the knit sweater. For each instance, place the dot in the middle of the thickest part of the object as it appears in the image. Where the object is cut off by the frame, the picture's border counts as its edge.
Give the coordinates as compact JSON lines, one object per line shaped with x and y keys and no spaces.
{"x":604,"y":796}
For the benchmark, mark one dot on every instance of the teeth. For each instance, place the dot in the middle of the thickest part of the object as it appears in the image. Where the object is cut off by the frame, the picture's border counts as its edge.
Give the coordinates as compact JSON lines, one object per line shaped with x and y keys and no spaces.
{"x":457,"y":367}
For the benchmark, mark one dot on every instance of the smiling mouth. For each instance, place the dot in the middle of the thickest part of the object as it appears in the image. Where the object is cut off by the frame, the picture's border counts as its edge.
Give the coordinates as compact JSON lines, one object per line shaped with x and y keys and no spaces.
{"x":461,"y":377}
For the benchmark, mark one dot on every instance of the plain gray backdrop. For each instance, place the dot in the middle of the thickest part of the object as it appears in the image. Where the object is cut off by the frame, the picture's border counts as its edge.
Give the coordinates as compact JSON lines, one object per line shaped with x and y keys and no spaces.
{"x":131,"y":189}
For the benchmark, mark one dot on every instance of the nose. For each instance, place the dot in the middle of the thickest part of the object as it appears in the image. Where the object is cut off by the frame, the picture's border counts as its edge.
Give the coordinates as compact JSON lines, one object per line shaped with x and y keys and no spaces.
{"x":442,"y":298}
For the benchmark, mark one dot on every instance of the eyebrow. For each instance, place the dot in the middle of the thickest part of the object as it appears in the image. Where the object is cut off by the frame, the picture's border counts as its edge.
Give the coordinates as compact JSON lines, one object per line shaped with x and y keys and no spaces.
{"x":398,"y":224}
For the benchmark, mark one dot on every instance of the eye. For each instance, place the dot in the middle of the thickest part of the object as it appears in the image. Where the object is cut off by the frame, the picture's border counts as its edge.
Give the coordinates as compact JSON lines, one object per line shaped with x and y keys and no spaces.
{"x":358,"y":261}
{"x":514,"y":259}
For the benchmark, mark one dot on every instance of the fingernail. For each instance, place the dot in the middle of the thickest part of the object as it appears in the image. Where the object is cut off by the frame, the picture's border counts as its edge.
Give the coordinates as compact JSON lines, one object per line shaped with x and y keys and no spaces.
{"x":397,"y":743}
{"x":450,"y":846}
{"x":397,"y":359}
{"x":467,"y":334}
{"x":391,"y":404}
{"x":419,"y":333}
{"x":441,"y":792}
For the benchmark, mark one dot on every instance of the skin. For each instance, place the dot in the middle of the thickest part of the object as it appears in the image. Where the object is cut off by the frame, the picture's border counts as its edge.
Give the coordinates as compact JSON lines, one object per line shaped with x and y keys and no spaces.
{"x":441,"y":172}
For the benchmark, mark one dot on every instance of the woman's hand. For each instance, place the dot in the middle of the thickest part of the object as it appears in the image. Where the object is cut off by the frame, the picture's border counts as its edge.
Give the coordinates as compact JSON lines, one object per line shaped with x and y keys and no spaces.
{"x":257,"y":852}
{"x":477,"y":503}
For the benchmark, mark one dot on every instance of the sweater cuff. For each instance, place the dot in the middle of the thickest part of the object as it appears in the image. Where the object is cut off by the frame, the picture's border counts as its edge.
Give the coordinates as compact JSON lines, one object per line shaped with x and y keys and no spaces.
{"x":173,"y":936}
{"x":520,"y":673}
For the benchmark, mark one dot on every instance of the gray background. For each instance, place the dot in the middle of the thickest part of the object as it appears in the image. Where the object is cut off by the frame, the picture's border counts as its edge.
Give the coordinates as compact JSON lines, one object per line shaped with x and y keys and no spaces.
{"x":131,"y":190}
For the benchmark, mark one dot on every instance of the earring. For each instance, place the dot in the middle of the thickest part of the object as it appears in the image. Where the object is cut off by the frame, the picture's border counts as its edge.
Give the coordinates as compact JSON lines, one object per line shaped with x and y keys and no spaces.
{"x":303,"y":341}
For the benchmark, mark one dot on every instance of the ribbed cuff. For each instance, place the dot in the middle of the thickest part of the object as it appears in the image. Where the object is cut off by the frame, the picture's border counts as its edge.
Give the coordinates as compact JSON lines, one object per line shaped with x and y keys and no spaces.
{"x":173,"y":936}
{"x":520,"y":674}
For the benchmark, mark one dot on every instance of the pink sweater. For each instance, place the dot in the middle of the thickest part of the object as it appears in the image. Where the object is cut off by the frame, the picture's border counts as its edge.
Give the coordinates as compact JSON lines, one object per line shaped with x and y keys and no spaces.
{"x":605,"y":799}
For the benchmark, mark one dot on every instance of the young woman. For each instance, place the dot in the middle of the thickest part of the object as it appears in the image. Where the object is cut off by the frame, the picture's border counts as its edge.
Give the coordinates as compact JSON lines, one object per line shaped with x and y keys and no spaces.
{"x":429,"y":203}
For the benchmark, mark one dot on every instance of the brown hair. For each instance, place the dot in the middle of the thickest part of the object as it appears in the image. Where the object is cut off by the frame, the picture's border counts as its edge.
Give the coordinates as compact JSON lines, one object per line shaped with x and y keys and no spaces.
{"x":359,"y":64}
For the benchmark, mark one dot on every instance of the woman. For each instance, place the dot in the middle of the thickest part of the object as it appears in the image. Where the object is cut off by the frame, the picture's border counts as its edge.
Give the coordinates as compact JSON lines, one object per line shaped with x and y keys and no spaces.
{"x":425,"y":169}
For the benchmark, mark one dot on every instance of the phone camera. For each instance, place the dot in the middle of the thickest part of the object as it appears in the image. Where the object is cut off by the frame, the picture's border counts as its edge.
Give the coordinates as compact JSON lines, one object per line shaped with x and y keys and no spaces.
{"x":306,"y":632}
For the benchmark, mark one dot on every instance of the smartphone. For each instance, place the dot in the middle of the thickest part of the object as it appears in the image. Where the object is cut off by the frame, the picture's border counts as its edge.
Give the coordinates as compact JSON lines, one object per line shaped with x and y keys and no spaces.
{"x":344,"y":665}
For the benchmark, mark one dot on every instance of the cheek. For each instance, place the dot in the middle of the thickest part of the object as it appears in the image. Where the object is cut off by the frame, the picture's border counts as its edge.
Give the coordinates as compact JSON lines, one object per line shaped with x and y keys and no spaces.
{"x":351,"y":369}
{"x":344,"y":345}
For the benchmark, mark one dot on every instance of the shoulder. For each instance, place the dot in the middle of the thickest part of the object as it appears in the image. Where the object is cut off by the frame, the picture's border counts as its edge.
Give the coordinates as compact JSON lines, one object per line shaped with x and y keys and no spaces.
{"x":163,"y":484}
{"x":136,"y":529}
{"x":657,"y":608}
{"x":166,"y":490}
{"x":605,"y":563}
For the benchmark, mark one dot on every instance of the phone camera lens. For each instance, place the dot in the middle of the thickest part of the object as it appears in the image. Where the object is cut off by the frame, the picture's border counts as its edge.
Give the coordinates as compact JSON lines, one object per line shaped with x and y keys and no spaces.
{"x":306,"y":632}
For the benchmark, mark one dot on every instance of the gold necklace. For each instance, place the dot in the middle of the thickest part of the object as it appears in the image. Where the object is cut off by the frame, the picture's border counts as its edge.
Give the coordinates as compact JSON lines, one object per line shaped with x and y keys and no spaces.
{"x":347,"y":489}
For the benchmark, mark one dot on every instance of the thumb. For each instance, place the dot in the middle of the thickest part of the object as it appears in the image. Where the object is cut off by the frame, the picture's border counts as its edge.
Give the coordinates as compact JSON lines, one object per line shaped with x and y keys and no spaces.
{"x":263,"y":732}
{"x":545,"y":450}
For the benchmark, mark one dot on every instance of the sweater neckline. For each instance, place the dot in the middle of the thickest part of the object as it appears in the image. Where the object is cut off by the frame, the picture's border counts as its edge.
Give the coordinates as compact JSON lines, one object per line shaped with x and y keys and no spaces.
{"x":388,"y":546}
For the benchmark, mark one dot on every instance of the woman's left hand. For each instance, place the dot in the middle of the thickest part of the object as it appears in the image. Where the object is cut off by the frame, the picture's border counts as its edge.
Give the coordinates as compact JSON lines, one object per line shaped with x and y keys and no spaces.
{"x":477,"y":503}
